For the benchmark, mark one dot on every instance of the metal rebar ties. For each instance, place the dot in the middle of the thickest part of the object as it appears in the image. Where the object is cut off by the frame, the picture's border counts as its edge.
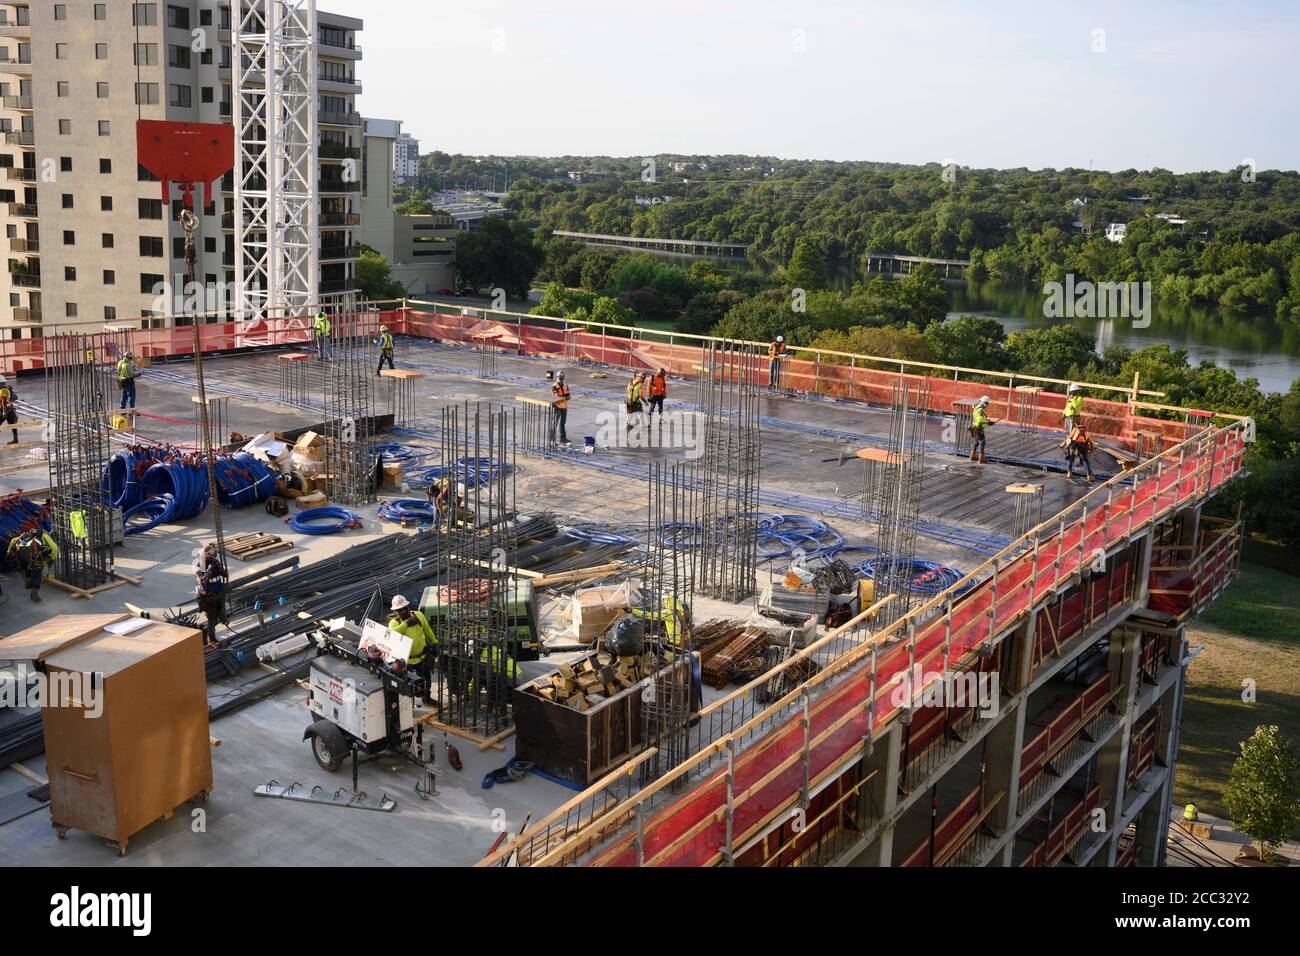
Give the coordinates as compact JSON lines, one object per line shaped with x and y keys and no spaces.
{"x":349,"y":410}
{"x":294,"y":386}
{"x":728,"y":396}
{"x":535,"y":431}
{"x":78,"y":446}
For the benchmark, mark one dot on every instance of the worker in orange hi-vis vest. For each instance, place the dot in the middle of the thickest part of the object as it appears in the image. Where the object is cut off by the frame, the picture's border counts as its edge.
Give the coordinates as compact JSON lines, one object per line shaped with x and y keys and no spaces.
{"x":657,"y":391}
{"x":559,"y":409}
{"x":775,"y":355}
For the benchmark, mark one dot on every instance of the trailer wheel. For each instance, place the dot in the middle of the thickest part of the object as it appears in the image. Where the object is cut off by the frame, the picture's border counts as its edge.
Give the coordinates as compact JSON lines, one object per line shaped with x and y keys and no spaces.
{"x":328,"y":745}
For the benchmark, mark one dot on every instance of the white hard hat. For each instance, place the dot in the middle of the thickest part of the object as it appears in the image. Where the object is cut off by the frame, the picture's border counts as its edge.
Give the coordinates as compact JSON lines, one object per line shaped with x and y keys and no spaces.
{"x":984,"y":400}
{"x":780,"y":338}
{"x":1073,"y":387}
{"x":400,"y":602}
{"x":383,"y":328}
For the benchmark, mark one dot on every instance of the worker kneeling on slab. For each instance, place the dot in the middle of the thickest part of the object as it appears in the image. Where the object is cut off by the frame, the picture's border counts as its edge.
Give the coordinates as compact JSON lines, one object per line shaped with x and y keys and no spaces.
{"x":33,"y":551}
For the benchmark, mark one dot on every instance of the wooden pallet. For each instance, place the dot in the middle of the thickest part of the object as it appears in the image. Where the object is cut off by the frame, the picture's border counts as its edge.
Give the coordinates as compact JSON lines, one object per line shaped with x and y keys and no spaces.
{"x":255,"y":544}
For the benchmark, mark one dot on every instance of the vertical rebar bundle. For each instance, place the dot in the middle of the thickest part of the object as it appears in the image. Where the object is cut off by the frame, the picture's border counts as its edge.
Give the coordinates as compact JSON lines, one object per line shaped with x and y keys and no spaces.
{"x":892,"y":490}
{"x":485,"y":345}
{"x":728,"y":397}
{"x":78,"y":445}
{"x":1029,"y":508}
{"x":477,"y":646}
{"x":668,"y":576}
{"x":534,"y":430}
{"x":349,"y":411}
{"x":1027,"y":399}
{"x":963,"y":409}
{"x":294,"y":386}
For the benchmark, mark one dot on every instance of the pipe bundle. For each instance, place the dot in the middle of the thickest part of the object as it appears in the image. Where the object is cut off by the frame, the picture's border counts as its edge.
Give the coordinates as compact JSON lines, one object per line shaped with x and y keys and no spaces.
{"x":125,"y":471}
{"x":243,"y":479}
{"x":18,"y":515}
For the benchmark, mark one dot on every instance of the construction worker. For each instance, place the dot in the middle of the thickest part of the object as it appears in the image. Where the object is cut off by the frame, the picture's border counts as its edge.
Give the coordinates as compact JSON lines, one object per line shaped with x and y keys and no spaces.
{"x":385,"y":343}
{"x":979,"y":421}
{"x":673,"y":619}
{"x":210,"y":580}
{"x":8,"y":413}
{"x":410,"y":622}
{"x":633,"y":399}
{"x":321,"y":328}
{"x":657,"y":391}
{"x":33,"y":551}
{"x":775,"y":355}
{"x":447,"y":498}
{"x":499,"y":672}
{"x":1078,"y":446}
{"x":560,"y":409}
{"x":126,"y":373}
{"x":1073,"y":406}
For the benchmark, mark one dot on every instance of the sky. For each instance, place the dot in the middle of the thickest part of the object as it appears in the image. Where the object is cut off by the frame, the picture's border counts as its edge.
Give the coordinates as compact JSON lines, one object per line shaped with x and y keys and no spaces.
{"x":1184,"y":86}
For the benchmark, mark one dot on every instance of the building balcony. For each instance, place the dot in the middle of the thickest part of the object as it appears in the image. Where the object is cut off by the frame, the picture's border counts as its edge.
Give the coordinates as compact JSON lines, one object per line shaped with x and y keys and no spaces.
{"x":335,"y":151}
{"x":338,"y":220}
{"x":336,"y":118}
{"x":21,"y":67}
{"x":16,"y":102}
{"x":22,"y":210}
{"x":225,"y":109}
{"x":24,"y":314}
{"x":227,"y":220}
{"x":20,"y":137}
{"x":334,"y":84}
{"x":20,"y":29}
{"x":25,"y":280}
{"x":24,"y":245}
{"x":20,"y":173}
{"x":333,"y":253}
{"x":336,"y":285}
{"x":339,"y":186}
{"x":347,"y":49}
{"x":228,"y":259}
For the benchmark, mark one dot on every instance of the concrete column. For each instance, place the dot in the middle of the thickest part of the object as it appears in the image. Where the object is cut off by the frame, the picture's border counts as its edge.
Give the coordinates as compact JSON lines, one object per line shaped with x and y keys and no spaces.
{"x":883,"y":789}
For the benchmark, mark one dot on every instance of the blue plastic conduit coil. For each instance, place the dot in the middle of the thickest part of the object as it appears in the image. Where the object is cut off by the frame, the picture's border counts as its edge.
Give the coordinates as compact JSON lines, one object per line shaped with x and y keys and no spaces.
{"x":305,"y":522}
{"x":928,"y":577}
{"x":185,"y":479}
{"x":155,"y":512}
{"x":407,"y":509}
{"x":122,"y":482}
{"x":243,"y":480}
{"x":18,"y":515}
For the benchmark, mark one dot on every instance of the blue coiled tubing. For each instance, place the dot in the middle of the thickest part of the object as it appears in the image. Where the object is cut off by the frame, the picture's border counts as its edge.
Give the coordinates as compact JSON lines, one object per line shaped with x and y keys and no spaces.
{"x":243,"y":480}
{"x":469,"y":470}
{"x":927,"y":577}
{"x":18,"y":515}
{"x":123,"y":475}
{"x":407,"y":509}
{"x":306,"y":522}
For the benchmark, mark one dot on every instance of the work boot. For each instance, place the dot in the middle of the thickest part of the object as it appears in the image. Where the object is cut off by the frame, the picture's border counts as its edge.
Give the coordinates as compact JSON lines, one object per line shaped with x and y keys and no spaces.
{"x":12,"y":441}
{"x":972,"y":454}
{"x":36,"y":596}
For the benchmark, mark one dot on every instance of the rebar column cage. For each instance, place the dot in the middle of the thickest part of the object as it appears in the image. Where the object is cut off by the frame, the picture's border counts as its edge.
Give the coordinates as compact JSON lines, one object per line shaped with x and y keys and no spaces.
{"x":891,"y":493}
{"x":963,"y":408}
{"x":1027,"y":402}
{"x":274,"y":88}
{"x":1028,"y":508}
{"x":295,"y":386}
{"x":218,"y":422}
{"x":349,"y":411}
{"x":534,"y":435}
{"x":728,"y":395}
{"x":667,"y":588}
{"x":77,"y":442}
{"x":401,"y":394}
{"x":485,"y":343}
{"x":477,"y":648}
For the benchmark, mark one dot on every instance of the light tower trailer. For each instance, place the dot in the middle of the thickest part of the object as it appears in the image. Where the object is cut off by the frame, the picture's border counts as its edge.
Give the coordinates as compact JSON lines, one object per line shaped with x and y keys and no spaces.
{"x":363,"y":704}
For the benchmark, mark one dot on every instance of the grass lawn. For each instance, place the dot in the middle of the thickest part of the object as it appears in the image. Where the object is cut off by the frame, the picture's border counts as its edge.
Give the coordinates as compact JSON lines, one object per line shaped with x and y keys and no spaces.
{"x":1252,"y":631}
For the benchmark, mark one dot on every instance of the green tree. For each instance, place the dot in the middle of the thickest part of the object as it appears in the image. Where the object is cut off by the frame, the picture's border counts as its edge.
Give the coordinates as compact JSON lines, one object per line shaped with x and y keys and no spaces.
{"x":500,"y":253}
{"x":923,"y":298}
{"x":414,"y":206}
{"x":1052,"y":350}
{"x":1263,"y":795}
{"x":807,"y":266}
{"x":374,"y":276}
{"x":971,"y":342}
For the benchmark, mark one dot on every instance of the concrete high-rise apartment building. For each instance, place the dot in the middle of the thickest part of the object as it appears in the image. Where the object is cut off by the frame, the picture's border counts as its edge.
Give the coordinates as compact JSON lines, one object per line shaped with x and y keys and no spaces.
{"x":406,"y":159}
{"x":88,"y":238}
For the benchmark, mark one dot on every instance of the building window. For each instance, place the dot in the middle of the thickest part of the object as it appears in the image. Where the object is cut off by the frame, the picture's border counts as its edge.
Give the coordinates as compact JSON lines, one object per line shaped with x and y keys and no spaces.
{"x":150,"y":282}
{"x":146,"y":94}
{"x":178,"y":95}
{"x":60,"y":11}
{"x":101,"y":11}
{"x":65,"y":164}
{"x":101,"y":51}
{"x":146,"y":54}
{"x":205,"y":18}
{"x":178,"y":248}
{"x":69,"y":273}
{"x":103,"y":127}
{"x":67,"y":200}
{"x":69,"y":237}
{"x":209,"y":244}
{"x":105,"y":166}
{"x":60,"y":51}
{"x":144,"y":14}
{"x":143,"y":175}
{"x":106,"y":203}
{"x":110,"y":313}
{"x":106,"y":240}
{"x":150,"y":208}
{"x":205,"y":57}
{"x":62,"y":88}
{"x":65,"y":127}
{"x":178,"y":56}
{"x":101,"y":90}
{"x":70,"y":310}
{"x":151,"y":246}
{"x":178,"y":17}
{"x":205,"y":94}
{"x":110,"y":277}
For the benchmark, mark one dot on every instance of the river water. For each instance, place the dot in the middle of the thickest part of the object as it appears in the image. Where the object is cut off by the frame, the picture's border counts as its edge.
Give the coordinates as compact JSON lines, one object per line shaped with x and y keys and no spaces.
{"x":1253,"y":346}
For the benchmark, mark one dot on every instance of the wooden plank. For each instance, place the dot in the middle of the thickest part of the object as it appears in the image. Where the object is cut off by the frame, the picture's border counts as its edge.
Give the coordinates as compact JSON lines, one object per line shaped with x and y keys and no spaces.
{"x":532,"y":401}
{"x":878,"y":454}
{"x":483,"y":743}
